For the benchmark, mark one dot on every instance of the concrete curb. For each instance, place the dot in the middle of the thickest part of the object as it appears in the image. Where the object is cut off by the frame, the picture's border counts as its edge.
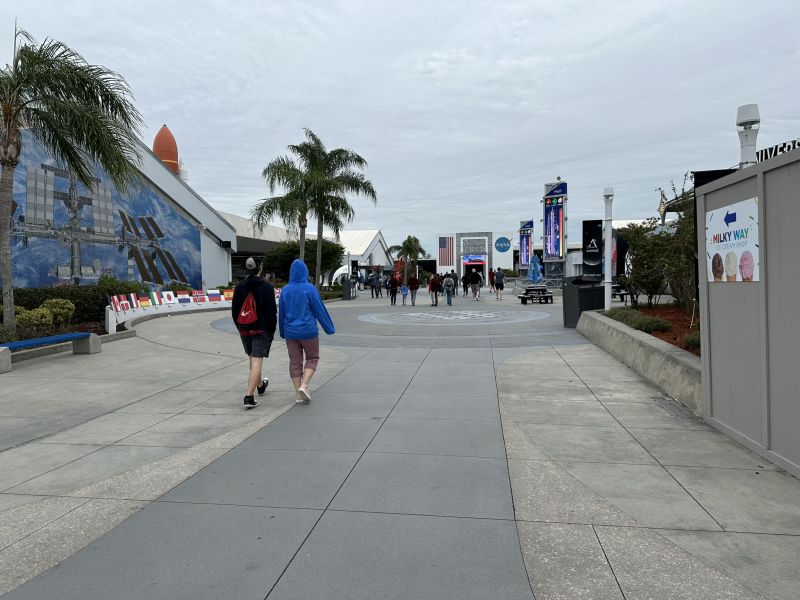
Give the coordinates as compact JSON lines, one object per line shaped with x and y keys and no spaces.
{"x":65,"y":347}
{"x":130,"y":326}
{"x":677,"y":372}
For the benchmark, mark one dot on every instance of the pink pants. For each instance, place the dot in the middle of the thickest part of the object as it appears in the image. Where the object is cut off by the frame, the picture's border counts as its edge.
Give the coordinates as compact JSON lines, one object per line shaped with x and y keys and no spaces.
{"x":296,"y":349}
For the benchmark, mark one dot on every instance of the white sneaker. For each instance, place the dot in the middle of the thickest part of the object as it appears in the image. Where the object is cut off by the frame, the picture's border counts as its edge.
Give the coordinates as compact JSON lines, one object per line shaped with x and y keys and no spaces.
{"x":304,"y":393}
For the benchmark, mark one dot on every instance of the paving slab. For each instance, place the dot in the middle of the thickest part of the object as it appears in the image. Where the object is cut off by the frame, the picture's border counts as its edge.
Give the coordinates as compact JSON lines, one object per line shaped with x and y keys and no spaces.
{"x":281,"y":478}
{"x":26,"y":462}
{"x":23,"y":520}
{"x":608,"y":390}
{"x":197,"y":561}
{"x":544,"y":491}
{"x":428,"y":485}
{"x":587,"y":443}
{"x":360,"y":404}
{"x":649,"y":566}
{"x":169,"y":402}
{"x":698,"y":448}
{"x":378,"y":383}
{"x":745,"y":500}
{"x":559,"y":413}
{"x":48,"y":546}
{"x":765,"y":563}
{"x":103,"y":463}
{"x":652,"y":416}
{"x":363,"y":556}
{"x":15,"y":431}
{"x":105,"y":429}
{"x":439,"y":436}
{"x":434,"y":406}
{"x":335,"y":434}
{"x":648,"y":493}
{"x":566,"y":562}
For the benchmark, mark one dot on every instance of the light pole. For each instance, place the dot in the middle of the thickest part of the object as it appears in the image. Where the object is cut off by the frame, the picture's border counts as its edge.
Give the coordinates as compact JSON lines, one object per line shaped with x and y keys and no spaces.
{"x":608,"y":197}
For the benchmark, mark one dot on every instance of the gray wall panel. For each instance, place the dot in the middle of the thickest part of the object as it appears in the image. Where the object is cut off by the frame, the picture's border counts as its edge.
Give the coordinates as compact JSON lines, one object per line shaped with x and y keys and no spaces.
{"x":734,"y":324}
{"x":783,"y":291}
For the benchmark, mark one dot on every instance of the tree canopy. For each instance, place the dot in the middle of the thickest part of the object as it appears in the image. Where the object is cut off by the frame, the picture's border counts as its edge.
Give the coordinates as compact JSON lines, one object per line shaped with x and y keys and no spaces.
{"x":81,"y":114}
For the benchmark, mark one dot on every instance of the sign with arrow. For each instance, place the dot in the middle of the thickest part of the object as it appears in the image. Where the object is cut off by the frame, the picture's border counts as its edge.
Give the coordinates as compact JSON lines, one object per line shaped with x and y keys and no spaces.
{"x":732,"y":252}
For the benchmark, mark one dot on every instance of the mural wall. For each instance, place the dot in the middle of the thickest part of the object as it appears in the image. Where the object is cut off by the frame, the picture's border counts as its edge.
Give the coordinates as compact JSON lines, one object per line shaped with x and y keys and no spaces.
{"x":63,"y":231}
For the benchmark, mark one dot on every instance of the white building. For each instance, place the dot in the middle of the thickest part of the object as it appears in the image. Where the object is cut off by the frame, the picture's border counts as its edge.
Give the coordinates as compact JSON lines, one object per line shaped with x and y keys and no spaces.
{"x":481,"y":250}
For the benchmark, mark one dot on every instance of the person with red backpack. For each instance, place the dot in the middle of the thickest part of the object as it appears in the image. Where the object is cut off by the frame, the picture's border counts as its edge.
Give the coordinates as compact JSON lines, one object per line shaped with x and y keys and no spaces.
{"x":255,"y":315}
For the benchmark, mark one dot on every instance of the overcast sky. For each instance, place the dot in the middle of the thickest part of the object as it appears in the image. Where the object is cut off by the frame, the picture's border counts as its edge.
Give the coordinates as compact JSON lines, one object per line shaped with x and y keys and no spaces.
{"x":463,"y":109}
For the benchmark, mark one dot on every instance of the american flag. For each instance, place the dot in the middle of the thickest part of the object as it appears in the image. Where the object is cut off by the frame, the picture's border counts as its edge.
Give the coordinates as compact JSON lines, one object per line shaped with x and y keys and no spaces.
{"x":446,"y":257}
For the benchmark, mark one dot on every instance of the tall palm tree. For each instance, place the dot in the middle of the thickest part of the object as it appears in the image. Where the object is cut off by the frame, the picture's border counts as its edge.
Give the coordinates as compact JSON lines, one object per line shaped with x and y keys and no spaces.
{"x":316,"y":183}
{"x":81,"y":114}
{"x":410,"y":251}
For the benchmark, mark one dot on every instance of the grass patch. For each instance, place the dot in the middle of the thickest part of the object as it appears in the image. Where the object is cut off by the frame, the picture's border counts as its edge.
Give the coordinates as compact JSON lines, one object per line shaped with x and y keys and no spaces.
{"x":633,"y":318}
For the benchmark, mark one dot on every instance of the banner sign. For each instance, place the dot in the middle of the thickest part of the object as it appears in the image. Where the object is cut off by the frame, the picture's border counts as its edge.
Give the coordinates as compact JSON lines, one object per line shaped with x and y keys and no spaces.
{"x":592,"y":247}
{"x":474,"y":259}
{"x":554,"y":249}
{"x":732,"y":242}
{"x":525,"y":242}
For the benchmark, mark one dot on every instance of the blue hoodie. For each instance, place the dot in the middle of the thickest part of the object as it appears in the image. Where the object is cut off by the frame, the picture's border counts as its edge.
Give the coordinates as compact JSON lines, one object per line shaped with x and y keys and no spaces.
{"x":300,"y":307}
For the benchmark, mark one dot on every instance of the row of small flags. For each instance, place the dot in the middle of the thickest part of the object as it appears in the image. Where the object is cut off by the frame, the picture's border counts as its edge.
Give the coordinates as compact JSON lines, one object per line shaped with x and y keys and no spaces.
{"x":126,"y":302}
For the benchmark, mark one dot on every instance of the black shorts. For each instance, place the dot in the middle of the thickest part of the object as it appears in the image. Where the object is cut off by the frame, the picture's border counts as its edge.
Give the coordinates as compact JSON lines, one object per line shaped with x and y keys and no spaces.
{"x":498,"y":286}
{"x":257,"y":346}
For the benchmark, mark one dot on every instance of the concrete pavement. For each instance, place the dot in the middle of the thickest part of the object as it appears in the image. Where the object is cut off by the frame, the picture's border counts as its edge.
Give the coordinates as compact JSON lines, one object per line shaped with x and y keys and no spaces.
{"x":478,"y":451}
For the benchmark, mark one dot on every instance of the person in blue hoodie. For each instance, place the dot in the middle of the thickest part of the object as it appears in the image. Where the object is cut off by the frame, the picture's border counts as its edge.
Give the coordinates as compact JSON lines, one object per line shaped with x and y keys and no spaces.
{"x":299,"y":309}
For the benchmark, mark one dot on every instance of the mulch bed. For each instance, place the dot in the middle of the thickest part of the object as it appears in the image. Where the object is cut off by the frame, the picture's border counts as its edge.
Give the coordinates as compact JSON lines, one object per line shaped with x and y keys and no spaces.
{"x":680,"y":325}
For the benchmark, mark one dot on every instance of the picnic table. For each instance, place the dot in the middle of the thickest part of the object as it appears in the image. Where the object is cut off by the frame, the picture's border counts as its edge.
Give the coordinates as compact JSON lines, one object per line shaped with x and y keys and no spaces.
{"x":536,"y":293}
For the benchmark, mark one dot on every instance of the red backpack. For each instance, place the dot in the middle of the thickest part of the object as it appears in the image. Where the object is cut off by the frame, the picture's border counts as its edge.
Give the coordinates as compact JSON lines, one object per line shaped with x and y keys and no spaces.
{"x":247,"y":318}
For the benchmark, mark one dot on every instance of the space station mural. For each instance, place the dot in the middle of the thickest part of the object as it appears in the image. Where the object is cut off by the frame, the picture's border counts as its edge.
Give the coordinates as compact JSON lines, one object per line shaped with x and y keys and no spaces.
{"x":63,"y":231}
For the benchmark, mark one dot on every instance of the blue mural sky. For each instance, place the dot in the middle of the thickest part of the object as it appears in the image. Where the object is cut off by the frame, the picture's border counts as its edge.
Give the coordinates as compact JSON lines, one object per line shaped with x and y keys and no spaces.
{"x":42,"y":261}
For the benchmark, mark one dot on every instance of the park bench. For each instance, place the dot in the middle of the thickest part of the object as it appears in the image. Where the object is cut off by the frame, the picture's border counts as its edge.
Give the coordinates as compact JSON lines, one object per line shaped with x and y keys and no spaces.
{"x":623,"y":296}
{"x":82,"y":343}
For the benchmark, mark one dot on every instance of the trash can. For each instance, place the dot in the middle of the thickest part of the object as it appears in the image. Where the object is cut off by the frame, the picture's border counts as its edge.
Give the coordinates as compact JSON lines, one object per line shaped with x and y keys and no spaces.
{"x":346,"y":290}
{"x":581,"y":294}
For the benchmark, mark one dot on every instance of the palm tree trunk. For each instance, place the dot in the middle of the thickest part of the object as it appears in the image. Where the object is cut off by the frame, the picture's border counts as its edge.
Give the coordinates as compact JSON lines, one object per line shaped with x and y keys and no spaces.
{"x":6,"y":192}
{"x":302,"y":223}
{"x":318,"y":270}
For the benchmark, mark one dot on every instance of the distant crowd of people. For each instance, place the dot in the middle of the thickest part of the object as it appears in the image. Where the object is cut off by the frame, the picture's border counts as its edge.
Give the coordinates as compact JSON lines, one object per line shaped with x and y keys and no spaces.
{"x":441,"y":284}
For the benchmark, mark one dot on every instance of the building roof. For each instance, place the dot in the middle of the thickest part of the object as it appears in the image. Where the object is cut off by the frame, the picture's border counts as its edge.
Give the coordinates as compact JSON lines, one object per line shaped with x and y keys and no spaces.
{"x":244,"y":228}
{"x":358,"y":241}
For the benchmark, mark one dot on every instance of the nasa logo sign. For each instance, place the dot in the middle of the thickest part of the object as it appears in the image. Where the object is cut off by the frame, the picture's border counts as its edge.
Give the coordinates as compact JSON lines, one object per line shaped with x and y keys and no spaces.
{"x":502,"y":244}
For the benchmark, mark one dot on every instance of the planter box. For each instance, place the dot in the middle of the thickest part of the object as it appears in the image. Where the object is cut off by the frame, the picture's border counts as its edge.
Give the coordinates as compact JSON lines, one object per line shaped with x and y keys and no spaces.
{"x":674,"y":370}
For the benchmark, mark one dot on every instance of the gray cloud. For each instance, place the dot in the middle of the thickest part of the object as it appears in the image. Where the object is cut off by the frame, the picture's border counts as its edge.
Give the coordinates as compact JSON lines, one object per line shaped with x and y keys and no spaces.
{"x":463,"y":109}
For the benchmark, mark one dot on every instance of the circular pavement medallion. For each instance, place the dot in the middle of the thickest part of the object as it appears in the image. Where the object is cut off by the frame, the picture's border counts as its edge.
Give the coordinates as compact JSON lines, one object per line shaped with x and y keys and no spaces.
{"x":454,"y":316}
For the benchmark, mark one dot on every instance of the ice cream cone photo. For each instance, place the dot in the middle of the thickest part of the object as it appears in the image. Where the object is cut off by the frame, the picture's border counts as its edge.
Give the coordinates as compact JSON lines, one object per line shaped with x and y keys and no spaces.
{"x":731,"y":266}
{"x":717,"y":269}
{"x":746,"y":266}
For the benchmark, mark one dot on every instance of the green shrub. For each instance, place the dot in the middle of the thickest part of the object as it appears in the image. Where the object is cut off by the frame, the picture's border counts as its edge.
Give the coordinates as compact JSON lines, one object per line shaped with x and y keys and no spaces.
{"x":35,"y":323}
{"x":691,"y":340}
{"x":6,"y":336}
{"x":633,"y":318}
{"x":62,"y":310}
{"x":90,"y":301}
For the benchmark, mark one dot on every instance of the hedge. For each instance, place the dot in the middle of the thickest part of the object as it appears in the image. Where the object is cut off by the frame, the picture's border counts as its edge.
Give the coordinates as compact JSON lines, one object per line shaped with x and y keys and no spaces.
{"x":633,"y":318}
{"x":90,"y":300}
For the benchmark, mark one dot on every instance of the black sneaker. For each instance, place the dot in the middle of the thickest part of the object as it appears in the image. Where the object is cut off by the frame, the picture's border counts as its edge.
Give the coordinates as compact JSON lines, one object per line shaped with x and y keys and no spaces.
{"x":262,"y":387}
{"x":250,"y":402}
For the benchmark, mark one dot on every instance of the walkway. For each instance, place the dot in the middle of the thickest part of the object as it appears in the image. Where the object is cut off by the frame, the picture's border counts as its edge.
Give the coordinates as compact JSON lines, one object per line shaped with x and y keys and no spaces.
{"x":479,"y":451}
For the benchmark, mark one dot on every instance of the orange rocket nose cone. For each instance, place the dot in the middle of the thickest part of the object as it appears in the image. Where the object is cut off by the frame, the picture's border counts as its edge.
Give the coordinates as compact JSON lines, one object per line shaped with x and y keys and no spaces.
{"x":165,"y":148}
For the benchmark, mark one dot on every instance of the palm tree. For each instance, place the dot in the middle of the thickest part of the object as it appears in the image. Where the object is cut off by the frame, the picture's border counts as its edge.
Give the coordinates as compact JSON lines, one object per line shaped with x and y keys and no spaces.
{"x":410,"y":251}
{"x":81,"y":114}
{"x":316,"y":182}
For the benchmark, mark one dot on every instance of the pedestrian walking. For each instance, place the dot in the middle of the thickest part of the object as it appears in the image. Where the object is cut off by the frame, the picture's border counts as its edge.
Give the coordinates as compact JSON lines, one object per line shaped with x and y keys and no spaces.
{"x":465,"y":283}
{"x":380,"y":286}
{"x":433,"y":288}
{"x":394,"y":284}
{"x":492,"y":276}
{"x":475,"y":281}
{"x":413,"y":286}
{"x":253,"y":311}
{"x":449,"y":289}
{"x":404,"y":292}
{"x":373,"y":292}
{"x":499,"y":283}
{"x":300,"y":309}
